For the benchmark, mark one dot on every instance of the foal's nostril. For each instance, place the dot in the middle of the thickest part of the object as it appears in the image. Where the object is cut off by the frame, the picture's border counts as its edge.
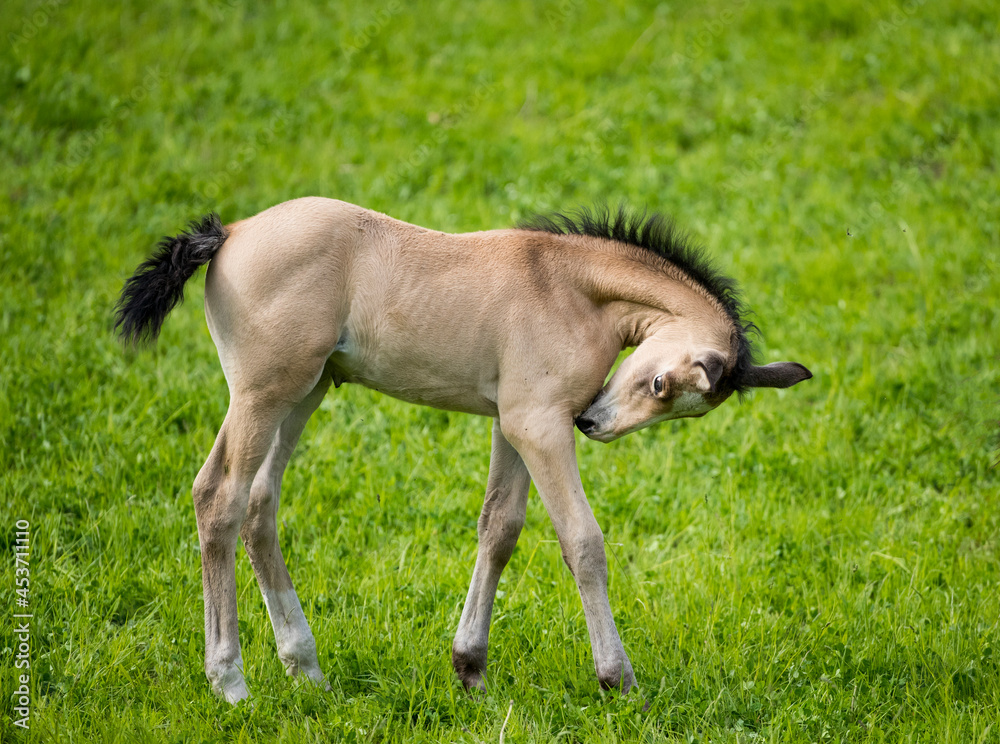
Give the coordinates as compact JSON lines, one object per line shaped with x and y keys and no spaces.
{"x":585,"y":425}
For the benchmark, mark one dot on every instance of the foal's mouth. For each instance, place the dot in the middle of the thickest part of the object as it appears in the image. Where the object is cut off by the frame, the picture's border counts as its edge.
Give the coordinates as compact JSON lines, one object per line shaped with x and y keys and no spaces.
{"x":590,"y":429}
{"x":593,"y":421}
{"x":586,"y":422}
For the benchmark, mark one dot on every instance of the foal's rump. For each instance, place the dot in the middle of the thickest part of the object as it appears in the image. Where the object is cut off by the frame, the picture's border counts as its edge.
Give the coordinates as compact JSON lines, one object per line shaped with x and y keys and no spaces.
{"x":275,"y":292}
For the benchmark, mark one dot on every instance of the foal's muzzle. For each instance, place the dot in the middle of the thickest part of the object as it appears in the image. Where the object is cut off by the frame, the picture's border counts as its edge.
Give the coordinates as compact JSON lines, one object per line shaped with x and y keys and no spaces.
{"x":595,"y":419}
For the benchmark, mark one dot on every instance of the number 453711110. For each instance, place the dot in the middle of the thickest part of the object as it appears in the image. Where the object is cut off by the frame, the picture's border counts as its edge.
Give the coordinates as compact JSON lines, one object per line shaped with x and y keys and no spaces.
{"x":22,"y":575}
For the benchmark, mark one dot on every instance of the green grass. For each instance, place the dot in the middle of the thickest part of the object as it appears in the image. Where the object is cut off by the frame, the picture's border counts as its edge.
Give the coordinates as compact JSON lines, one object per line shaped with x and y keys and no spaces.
{"x":818,"y":564}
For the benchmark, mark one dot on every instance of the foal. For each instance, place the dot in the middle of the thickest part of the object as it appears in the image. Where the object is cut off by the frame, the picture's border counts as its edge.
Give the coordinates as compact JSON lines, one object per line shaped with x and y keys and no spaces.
{"x":520,"y":325}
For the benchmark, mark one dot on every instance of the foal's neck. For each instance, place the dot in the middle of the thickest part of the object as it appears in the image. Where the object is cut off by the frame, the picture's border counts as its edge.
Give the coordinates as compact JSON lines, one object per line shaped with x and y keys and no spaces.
{"x":641,"y":294}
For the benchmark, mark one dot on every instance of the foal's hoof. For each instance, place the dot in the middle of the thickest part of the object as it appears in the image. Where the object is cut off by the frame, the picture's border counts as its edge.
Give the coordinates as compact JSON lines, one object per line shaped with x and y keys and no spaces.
{"x":473,"y":681}
{"x":230,"y":685}
{"x":616,"y":676}
{"x":469,"y":669}
{"x":237,"y":693}
{"x":311,"y":673}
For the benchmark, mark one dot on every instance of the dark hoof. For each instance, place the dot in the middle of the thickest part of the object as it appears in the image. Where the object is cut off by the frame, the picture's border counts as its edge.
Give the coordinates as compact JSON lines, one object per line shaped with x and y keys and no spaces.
{"x":619,"y":683}
{"x":469,"y":669}
{"x":616,"y":677}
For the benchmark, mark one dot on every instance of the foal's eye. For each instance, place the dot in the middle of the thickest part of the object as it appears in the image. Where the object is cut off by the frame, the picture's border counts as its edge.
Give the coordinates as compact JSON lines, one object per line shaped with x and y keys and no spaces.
{"x":658,"y":384}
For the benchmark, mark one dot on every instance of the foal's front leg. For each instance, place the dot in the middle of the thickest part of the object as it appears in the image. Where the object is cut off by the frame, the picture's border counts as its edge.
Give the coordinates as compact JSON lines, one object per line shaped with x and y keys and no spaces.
{"x":544,"y":439}
{"x":499,"y":526}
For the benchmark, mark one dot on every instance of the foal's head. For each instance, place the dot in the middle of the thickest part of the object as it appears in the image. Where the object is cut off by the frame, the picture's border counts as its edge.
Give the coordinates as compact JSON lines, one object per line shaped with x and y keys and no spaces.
{"x":691,"y":357}
{"x":682,"y":370}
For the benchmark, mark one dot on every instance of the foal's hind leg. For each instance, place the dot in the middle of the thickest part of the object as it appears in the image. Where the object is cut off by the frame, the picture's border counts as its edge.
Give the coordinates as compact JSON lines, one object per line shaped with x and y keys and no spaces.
{"x":262,"y":397}
{"x":296,"y":645}
{"x":499,"y":527}
{"x":220,"y":494}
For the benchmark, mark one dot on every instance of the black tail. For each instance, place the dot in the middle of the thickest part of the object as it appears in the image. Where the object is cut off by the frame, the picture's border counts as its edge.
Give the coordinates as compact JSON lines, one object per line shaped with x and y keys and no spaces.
{"x":157,"y":286}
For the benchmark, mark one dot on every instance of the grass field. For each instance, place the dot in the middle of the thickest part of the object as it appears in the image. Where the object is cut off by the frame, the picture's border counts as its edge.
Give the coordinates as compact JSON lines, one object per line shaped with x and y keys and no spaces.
{"x":819,"y":564}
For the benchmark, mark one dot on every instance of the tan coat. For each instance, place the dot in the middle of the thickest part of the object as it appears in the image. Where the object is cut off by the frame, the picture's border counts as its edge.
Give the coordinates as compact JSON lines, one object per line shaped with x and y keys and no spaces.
{"x":521,"y":325}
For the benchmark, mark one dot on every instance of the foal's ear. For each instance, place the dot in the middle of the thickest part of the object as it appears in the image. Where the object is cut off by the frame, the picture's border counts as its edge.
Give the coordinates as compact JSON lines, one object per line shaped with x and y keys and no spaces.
{"x":708,"y":370}
{"x":777,"y":375}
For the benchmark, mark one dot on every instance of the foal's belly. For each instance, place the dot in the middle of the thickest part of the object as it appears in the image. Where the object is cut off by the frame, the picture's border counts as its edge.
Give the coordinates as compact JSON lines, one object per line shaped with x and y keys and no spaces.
{"x":415,"y":379}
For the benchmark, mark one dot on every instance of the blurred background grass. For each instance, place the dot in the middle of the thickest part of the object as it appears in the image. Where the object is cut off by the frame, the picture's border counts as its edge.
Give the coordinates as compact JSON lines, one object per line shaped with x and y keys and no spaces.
{"x":816,"y":565}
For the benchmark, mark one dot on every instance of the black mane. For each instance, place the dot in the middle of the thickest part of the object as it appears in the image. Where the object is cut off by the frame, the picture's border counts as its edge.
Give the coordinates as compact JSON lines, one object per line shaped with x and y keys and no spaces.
{"x":659,"y":235}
